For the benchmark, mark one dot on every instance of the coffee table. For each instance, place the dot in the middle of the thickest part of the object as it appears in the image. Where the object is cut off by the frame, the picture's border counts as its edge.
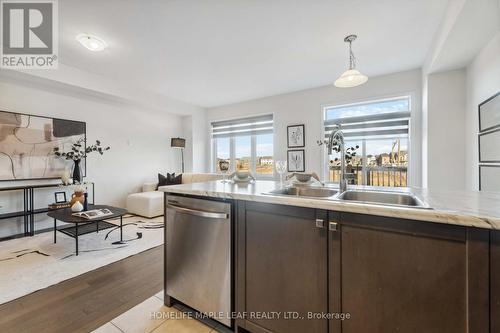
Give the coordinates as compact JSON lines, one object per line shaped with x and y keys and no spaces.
{"x":83,"y":226}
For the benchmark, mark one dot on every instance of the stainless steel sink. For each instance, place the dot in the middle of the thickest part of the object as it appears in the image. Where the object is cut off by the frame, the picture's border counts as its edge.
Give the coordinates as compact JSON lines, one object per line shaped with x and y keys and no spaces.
{"x":318,"y":192}
{"x":384,"y":198}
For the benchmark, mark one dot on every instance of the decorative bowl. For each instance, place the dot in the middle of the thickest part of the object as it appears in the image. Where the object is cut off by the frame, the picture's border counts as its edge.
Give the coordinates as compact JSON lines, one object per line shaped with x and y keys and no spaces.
{"x":303,"y":177}
{"x":242,"y":175}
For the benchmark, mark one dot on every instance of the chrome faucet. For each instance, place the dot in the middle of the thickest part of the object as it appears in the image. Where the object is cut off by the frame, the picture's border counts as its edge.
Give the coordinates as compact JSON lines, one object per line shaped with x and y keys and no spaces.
{"x":337,"y":138}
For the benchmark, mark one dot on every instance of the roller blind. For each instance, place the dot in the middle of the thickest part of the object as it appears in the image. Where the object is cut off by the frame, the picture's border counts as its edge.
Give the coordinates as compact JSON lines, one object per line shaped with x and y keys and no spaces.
{"x":378,"y":119}
{"x":243,"y":126}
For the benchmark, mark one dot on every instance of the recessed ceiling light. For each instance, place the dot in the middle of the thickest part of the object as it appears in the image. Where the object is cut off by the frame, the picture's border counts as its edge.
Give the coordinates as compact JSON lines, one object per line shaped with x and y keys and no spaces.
{"x":93,"y":43}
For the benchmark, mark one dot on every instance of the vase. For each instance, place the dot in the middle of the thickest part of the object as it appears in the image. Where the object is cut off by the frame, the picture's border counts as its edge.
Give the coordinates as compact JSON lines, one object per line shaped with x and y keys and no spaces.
{"x":77,"y":207}
{"x":77,"y":172}
{"x":77,"y":197}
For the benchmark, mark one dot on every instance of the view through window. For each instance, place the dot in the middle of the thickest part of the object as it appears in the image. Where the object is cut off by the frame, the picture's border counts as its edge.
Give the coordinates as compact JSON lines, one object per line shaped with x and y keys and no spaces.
{"x":378,"y":133}
{"x":247,"y":143}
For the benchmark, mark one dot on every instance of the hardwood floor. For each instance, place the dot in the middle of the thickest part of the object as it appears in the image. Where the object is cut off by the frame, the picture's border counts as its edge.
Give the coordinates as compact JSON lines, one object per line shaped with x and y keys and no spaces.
{"x":88,"y":301}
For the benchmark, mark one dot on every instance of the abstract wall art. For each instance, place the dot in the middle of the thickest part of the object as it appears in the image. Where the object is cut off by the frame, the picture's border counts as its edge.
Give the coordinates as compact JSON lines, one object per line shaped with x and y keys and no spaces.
{"x":27,"y":145}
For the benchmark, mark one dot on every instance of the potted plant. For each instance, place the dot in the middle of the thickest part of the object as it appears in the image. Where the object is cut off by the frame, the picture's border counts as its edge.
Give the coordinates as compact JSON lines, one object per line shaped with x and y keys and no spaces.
{"x":77,"y":152}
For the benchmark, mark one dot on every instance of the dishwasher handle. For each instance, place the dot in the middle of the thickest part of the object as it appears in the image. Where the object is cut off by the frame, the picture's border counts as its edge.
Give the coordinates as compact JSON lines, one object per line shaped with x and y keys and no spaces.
{"x":196,"y":212}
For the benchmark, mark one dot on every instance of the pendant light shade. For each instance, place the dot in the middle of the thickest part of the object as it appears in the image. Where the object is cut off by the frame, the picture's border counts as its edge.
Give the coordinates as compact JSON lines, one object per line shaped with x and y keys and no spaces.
{"x":351,"y":77}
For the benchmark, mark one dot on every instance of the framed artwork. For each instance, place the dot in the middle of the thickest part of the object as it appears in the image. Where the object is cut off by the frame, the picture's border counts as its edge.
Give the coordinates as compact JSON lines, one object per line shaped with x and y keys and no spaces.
{"x":60,"y":197}
{"x":27,"y":145}
{"x":489,"y":178}
{"x":296,"y":160}
{"x":296,"y":136}
{"x":489,"y":147}
{"x":489,"y":113}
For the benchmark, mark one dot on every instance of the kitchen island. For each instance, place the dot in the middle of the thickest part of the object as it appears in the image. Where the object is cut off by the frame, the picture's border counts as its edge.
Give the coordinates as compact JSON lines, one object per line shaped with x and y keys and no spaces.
{"x":327,"y":265}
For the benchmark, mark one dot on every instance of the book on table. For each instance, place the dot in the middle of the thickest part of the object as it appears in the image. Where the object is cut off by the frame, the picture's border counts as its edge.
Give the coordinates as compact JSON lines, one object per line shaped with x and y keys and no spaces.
{"x":94,"y":213}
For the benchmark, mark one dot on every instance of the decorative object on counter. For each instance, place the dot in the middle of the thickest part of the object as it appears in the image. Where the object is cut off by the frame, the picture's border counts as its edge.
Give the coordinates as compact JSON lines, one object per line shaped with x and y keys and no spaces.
{"x":296,"y":160}
{"x":242,"y":177}
{"x":224,"y":168}
{"x":304,"y":178}
{"x":77,"y":152}
{"x":280,"y":169}
{"x":181,"y":144}
{"x":77,"y":206}
{"x":296,"y":136}
{"x":489,"y":113}
{"x":169,"y":179}
{"x":29,"y":140}
{"x":351,"y":77}
{"x":60,"y":197}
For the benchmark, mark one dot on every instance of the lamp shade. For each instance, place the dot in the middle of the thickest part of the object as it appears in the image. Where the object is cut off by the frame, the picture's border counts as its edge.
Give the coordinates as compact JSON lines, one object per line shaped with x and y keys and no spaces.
{"x":178,"y":143}
{"x":350,"y":78}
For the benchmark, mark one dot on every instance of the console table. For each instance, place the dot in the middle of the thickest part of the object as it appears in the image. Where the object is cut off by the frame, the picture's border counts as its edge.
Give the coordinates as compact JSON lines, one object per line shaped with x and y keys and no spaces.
{"x":29,"y":211}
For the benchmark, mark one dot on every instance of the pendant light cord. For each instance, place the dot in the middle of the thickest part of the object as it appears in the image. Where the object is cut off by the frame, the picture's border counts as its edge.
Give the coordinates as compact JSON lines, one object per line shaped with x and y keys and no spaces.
{"x":352,"y":59}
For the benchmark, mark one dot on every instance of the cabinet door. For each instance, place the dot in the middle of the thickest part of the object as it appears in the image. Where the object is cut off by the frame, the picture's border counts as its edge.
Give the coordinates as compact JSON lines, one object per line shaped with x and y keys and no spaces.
{"x":495,"y":281}
{"x":407,"y":276}
{"x":285,"y":267}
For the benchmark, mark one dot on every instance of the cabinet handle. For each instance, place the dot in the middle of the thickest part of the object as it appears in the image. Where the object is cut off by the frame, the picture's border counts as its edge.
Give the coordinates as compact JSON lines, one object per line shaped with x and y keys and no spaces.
{"x":333,"y":226}
{"x":320,"y":223}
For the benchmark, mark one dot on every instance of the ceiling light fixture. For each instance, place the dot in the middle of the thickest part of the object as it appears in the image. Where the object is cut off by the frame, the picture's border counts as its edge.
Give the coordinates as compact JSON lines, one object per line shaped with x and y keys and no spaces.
{"x":93,"y":43}
{"x":351,"y":77}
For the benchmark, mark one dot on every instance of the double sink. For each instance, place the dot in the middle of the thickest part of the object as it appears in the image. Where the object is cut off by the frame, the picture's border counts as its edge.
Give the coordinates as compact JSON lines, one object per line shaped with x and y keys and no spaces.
{"x":401,"y":199}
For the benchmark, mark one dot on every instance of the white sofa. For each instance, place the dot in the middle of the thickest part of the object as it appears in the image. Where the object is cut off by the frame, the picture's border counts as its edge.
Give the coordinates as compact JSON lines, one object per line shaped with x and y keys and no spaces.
{"x":149,"y":202}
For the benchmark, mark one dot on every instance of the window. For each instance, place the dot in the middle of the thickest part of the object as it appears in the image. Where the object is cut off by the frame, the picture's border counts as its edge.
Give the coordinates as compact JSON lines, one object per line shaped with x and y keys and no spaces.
{"x":378,"y":133}
{"x":247,"y":143}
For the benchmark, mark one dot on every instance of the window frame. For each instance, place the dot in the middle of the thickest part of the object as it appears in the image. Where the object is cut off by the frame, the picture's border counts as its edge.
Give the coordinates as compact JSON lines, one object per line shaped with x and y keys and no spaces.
{"x":325,"y":159}
{"x":232,"y":154}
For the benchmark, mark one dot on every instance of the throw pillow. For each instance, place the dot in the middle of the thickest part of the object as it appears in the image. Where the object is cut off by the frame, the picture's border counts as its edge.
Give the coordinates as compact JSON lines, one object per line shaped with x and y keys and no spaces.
{"x":170,"y":179}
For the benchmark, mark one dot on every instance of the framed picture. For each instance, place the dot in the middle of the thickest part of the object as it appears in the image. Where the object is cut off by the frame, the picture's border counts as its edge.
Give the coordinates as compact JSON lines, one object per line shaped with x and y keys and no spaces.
{"x":60,"y":197}
{"x":296,"y":160}
{"x":489,"y":113}
{"x":27,"y":145}
{"x":489,"y":147}
{"x":489,"y":178}
{"x":296,"y":136}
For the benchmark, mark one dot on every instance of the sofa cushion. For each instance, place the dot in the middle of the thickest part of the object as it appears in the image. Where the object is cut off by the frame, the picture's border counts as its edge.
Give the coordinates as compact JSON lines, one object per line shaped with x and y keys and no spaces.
{"x":148,"y":204}
{"x":170,"y":179}
{"x":188,"y":178}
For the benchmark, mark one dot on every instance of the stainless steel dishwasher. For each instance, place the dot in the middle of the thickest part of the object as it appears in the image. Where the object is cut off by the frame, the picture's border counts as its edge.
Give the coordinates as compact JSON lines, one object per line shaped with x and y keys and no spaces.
{"x":198,"y":254}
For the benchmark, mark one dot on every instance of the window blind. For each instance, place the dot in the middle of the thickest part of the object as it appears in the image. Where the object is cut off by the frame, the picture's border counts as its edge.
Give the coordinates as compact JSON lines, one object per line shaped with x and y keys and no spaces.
{"x":391,"y":124}
{"x":243,"y":126}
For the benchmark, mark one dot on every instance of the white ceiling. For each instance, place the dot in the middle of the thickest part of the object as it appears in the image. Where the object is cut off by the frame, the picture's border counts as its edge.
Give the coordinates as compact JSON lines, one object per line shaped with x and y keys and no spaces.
{"x":216,"y":52}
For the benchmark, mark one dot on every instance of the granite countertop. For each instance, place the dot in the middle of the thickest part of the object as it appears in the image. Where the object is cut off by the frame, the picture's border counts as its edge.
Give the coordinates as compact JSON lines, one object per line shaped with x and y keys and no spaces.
{"x":465,"y":208}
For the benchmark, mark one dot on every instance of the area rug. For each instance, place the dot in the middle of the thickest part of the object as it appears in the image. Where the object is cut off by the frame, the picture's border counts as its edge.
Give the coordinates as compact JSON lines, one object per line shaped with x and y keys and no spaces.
{"x":32,"y":263}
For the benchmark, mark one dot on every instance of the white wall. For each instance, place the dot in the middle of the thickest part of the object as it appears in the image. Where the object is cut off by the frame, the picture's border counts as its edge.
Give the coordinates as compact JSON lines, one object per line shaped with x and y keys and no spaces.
{"x":483,"y":81}
{"x":139,"y":139}
{"x":305,"y":107}
{"x":445,"y":128}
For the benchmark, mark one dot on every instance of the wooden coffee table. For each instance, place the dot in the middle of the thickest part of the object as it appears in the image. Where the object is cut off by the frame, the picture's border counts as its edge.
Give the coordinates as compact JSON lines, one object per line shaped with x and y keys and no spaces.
{"x":83,"y":226}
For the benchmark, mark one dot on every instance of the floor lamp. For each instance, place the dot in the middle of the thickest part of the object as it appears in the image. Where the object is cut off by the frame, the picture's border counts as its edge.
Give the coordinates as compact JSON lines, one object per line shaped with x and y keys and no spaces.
{"x":179,"y":143}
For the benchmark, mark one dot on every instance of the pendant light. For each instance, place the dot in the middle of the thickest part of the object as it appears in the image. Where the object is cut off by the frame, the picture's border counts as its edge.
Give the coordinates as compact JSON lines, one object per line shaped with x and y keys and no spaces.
{"x":351,"y":77}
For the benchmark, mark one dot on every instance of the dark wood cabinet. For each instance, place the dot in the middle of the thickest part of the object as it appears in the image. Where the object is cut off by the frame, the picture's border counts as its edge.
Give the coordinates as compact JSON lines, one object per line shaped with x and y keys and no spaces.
{"x":387,"y":274}
{"x":495,"y":282}
{"x":282,"y":263}
{"x":395,"y":275}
